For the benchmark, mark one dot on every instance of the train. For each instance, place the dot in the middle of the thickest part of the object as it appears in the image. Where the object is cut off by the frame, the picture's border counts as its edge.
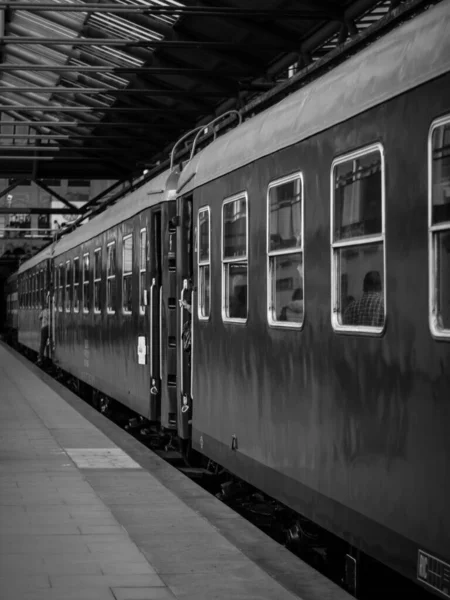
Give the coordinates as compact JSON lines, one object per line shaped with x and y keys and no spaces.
{"x":281,"y":304}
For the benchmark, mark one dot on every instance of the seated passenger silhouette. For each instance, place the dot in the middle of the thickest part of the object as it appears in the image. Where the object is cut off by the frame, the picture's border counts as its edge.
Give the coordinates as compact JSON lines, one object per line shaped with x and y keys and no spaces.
{"x":294,"y":310}
{"x":238,"y":303}
{"x":369,"y":309}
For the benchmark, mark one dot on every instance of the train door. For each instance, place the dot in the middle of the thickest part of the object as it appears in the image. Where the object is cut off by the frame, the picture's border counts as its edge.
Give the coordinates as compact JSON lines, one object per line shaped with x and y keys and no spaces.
{"x":155,"y":313}
{"x":49,"y":290}
{"x":185,"y":238}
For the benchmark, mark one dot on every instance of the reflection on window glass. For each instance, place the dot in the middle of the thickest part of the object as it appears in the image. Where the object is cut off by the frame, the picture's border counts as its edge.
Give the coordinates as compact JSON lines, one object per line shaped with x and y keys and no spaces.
{"x":285,"y":215}
{"x":205,"y":285}
{"x":443,"y":279}
{"x":97,"y":279}
{"x":236,"y":290}
{"x":235,"y":228}
{"x":204,"y":261}
{"x":127,"y":268}
{"x":440,"y":227}
{"x":358,"y":241}
{"x":441,"y":174}
{"x":285,"y":251}
{"x":111,"y":278}
{"x":86,"y":283}
{"x":76,"y":283}
{"x":203,"y":235}
{"x":361,"y":285}
{"x":234,"y":263}
{"x":111,"y":266}
{"x":142,"y":269}
{"x":357,"y":197}
{"x":287,"y":288}
{"x":67,"y":297}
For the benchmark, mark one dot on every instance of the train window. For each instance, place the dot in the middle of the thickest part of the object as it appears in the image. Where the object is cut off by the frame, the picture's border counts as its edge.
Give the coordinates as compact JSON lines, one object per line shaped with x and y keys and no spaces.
{"x":61,"y":287}
{"x":76,"y":284}
{"x":142,"y":269}
{"x":97,"y":279}
{"x":439,"y":227}
{"x":234,"y":259}
{"x":127,"y":274}
{"x":357,"y":241}
{"x":86,"y":282}
{"x":111,"y":278}
{"x":204,"y":263}
{"x":285,"y":251}
{"x":67,"y":296}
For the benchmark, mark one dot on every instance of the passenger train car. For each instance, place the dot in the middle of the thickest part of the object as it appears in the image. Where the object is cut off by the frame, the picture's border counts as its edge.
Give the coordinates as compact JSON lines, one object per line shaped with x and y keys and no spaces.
{"x":312,"y":246}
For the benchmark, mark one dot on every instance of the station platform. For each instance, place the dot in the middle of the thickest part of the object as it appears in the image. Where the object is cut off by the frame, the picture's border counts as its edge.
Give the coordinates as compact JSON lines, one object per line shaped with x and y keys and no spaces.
{"x":89,"y":513}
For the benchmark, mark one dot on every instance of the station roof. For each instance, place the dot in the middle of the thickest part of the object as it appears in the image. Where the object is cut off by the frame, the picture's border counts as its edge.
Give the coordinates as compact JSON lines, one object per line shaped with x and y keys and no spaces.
{"x":103,"y":89}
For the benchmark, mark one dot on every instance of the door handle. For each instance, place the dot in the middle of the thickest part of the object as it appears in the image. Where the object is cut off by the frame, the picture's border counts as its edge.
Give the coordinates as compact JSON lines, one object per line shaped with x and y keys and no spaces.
{"x":151,"y":327}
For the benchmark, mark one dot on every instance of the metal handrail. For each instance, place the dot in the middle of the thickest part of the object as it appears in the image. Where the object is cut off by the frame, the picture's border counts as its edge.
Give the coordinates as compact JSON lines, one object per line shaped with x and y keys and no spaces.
{"x":182,"y":138}
{"x":211,"y":124}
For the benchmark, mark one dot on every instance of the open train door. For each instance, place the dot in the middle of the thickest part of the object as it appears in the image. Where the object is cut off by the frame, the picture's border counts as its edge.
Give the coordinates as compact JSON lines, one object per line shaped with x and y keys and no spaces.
{"x":155,"y":310}
{"x":185,"y":281}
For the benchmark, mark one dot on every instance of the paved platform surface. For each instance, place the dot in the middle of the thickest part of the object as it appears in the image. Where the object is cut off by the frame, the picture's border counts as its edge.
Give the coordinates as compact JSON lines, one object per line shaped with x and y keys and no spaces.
{"x":82,"y":519}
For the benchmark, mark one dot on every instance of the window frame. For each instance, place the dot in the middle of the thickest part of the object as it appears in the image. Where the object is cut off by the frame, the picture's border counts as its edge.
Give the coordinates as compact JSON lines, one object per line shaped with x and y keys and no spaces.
{"x":206,"y":263}
{"x":127,"y":273}
{"x":67,"y":286}
{"x":85,"y":283}
{"x":108,"y":277}
{"x":142,"y":270}
{"x":61,"y":288}
{"x":274,"y":253}
{"x":97,"y":311}
{"x":75,"y":286}
{"x":227,"y":261}
{"x":433,"y":231}
{"x":361,"y":330}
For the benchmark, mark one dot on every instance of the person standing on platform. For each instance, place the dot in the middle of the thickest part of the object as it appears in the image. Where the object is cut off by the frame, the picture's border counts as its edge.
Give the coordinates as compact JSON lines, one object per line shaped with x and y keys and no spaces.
{"x":44,"y":318}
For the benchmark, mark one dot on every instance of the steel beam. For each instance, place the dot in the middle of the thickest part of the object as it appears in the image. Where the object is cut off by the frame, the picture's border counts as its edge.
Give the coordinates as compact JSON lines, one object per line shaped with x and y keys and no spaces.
{"x":96,"y":199}
{"x":118,"y":70}
{"x":119,"y":92}
{"x":12,"y":187}
{"x":29,"y":148}
{"x":26,"y":210}
{"x":213,"y":11}
{"x":59,"y":136}
{"x":79,"y":124}
{"x":102,"y":109}
{"x":128,"y":43}
{"x":44,"y":187}
{"x":52,"y":158}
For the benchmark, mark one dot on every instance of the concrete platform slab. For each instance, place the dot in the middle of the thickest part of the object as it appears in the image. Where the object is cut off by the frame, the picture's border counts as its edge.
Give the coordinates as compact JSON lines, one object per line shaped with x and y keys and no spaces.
{"x":87,"y":513}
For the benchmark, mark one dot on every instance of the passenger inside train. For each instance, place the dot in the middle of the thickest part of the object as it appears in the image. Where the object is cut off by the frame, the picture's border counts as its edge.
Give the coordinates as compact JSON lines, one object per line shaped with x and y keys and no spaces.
{"x":369,"y":309}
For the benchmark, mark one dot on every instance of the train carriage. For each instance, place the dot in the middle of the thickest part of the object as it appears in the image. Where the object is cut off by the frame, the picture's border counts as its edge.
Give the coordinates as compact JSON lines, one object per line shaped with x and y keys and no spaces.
{"x":333,"y":190}
{"x":11,"y":308}
{"x":310,"y":247}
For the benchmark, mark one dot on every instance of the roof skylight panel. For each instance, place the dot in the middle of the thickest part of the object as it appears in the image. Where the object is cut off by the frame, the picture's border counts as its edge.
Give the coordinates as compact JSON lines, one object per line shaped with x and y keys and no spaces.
{"x":117,"y":56}
{"x":122,"y":28}
{"x":37,"y":26}
{"x":170,"y":19}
